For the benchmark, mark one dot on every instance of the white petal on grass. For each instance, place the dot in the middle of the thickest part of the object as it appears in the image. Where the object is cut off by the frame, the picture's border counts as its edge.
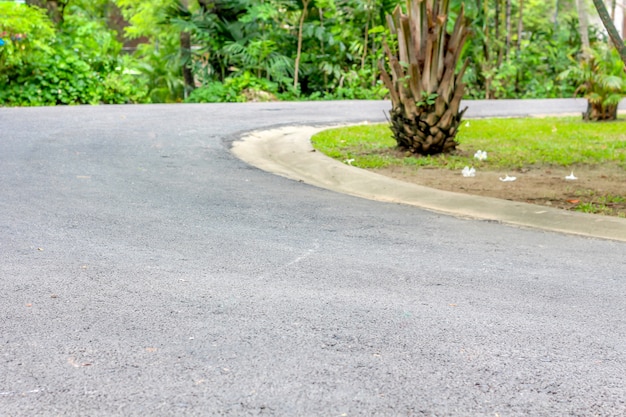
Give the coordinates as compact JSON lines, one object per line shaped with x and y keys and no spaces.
{"x":480,"y":155}
{"x":468,"y":172}
{"x":507,"y":178}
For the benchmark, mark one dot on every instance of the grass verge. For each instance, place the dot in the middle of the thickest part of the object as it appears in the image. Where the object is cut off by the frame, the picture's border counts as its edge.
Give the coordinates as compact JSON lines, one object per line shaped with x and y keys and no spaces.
{"x":513,"y":145}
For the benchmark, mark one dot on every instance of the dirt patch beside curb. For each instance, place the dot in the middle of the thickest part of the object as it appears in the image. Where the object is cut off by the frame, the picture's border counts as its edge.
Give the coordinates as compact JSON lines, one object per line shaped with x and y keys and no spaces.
{"x":600,"y":190}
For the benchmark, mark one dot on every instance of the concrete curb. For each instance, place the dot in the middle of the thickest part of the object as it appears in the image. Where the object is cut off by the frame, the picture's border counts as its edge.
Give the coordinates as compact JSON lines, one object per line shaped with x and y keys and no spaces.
{"x":288,"y":152}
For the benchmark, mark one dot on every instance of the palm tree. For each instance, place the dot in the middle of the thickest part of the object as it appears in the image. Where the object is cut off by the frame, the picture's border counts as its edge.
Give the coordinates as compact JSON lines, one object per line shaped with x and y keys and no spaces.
{"x":425,"y":89}
{"x":602,"y":82}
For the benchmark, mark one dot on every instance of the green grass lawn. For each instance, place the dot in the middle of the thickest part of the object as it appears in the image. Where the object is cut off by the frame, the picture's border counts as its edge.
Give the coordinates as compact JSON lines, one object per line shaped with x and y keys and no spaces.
{"x":510,"y":144}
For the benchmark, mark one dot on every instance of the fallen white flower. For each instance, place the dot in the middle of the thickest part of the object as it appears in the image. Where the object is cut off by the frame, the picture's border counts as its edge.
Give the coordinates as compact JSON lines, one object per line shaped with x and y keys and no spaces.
{"x":480,"y":155}
{"x":571,"y":177}
{"x":468,"y":172}
{"x":467,"y":124}
{"x":349,"y":161}
{"x":507,"y":178}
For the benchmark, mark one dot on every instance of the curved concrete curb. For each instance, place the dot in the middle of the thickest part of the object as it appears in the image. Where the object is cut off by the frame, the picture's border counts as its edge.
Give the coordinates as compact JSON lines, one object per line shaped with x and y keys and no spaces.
{"x":288,"y":152}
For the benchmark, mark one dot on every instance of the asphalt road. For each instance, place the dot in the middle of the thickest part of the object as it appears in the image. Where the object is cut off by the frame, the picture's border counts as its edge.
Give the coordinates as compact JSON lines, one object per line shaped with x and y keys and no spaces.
{"x":145,"y":271}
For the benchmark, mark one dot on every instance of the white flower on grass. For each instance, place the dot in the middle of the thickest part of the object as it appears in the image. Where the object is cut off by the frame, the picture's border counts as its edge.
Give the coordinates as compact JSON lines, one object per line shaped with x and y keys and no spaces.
{"x":507,"y":178}
{"x":571,"y":177}
{"x":349,"y":161}
{"x":468,"y":172}
{"x":467,"y":124}
{"x":480,"y":155}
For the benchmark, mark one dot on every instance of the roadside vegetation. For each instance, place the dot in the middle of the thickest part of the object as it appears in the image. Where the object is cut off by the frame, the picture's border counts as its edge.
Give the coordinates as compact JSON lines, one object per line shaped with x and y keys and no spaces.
{"x":514,"y":146}
{"x":152,"y":51}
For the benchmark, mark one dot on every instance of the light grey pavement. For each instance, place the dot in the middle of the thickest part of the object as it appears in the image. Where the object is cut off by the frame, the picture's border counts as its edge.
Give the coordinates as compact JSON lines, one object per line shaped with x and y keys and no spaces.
{"x":287,"y":151}
{"x":147,"y":271}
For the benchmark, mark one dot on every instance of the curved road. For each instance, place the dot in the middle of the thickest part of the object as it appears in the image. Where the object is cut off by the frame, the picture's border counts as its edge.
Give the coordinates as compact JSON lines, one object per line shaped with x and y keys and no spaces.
{"x":146,"y":271}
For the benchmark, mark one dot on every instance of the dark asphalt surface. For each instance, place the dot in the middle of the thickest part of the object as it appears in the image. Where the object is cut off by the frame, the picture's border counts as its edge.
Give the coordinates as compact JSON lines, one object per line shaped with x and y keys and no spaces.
{"x":145,"y":271}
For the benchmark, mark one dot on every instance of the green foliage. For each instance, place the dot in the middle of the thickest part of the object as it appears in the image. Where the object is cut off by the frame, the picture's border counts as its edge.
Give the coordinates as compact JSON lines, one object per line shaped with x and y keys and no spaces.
{"x":530,"y":66}
{"x":160,"y":72}
{"x":235,"y":37}
{"x":26,"y":34}
{"x":601,"y":80}
{"x":79,"y":64}
{"x":341,"y":45}
{"x":67,"y":78}
{"x":245,"y":87}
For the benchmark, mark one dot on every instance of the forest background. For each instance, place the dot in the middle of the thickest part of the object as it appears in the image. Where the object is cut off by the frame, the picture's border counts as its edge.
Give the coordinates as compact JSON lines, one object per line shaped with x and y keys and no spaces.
{"x":153,"y":51}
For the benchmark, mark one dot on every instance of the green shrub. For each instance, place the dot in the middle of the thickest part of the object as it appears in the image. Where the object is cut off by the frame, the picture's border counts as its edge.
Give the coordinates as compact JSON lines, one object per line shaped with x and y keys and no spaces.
{"x":78,"y":65}
{"x":26,"y":34}
{"x":245,"y":87}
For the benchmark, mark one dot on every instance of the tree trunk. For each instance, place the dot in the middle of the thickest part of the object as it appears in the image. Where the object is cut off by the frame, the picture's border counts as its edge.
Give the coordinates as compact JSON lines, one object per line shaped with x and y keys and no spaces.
{"x":500,"y":44}
{"x":520,"y":25}
{"x":610,"y":27}
{"x":296,"y":70}
{"x":497,"y":22}
{"x":596,"y":112}
{"x":613,"y":5}
{"x":624,"y":22}
{"x":583,"y":27}
{"x":556,"y":16}
{"x":486,"y":50}
{"x":366,"y":40}
{"x":507,"y":19}
{"x":185,"y":51}
{"x":426,"y":91}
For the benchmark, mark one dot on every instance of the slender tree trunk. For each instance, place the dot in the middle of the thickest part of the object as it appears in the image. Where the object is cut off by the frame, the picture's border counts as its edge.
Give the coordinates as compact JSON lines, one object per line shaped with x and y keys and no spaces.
{"x":497,"y":22}
{"x":556,"y":16}
{"x":366,"y":40}
{"x":624,"y":18}
{"x":499,"y":43}
{"x":321,"y":14}
{"x":520,"y":25}
{"x":305,"y":7}
{"x":613,"y":5}
{"x":610,"y":27}
{"x":185,"y":51}
{"x":507,"y":19}
{"x":486,"y":51}
{"x":583,"y":27}
{"x":185,"y":54}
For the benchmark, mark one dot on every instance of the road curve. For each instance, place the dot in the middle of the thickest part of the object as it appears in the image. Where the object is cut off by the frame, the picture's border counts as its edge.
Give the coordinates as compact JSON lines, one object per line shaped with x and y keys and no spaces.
{"x":146,"y":271}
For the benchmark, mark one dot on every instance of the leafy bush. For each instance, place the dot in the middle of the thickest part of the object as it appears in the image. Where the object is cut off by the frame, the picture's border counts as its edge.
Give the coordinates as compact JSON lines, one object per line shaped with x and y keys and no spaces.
{"x":26,"y":34}
{"x":77,"y":65}
{"x":245,"y":87}
{"x":601,"y":80}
